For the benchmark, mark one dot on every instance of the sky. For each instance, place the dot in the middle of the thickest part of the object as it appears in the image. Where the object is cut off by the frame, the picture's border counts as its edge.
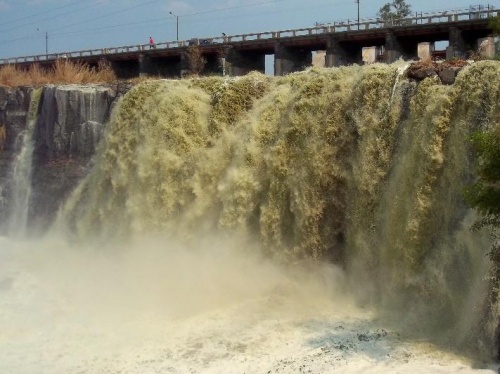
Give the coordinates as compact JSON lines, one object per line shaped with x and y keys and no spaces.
{"x":29,"y":27}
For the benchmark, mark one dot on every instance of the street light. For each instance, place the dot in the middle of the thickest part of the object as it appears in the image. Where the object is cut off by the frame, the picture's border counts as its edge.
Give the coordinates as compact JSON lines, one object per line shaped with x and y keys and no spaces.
{"x":177,"y":21}
{"x":357,"y":2}
{"x":46,"y":42}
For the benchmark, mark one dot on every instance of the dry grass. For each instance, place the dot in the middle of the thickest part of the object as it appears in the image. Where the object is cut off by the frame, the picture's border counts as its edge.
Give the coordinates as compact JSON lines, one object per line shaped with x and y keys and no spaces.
{"x":63,"y":72}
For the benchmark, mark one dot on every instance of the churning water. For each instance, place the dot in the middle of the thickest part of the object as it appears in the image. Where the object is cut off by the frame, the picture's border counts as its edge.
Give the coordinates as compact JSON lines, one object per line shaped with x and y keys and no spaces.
{"x":309,"y":223}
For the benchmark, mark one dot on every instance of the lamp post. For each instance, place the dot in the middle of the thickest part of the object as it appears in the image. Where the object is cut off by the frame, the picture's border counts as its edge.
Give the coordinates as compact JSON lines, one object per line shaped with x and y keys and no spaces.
{"x":46,"y":42}
{"x":177,"y":24}
{"x":357,"y":2}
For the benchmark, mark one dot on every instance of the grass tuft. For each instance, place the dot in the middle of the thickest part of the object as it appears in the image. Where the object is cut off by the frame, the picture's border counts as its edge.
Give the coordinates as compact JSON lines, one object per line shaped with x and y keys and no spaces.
{"x":63,"y":72}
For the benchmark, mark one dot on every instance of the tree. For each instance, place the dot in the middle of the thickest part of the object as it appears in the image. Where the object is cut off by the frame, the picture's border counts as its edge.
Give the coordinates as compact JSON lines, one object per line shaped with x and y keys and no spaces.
{"x":394,"y":11}
{"x":484,"y":193}
{"x":494,"y":25}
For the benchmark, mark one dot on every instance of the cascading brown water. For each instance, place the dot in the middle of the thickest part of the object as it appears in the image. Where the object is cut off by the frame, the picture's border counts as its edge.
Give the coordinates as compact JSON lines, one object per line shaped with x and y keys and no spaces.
{"x":354,"y":164}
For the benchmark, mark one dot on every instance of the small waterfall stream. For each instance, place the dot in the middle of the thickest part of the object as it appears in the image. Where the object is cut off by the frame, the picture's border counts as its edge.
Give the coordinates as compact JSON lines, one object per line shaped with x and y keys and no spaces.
{"x":21,"y":175}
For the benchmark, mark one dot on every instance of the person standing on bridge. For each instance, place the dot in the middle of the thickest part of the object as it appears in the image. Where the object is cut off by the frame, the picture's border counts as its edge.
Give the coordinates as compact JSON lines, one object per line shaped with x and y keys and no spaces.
{"x":151,"y":43}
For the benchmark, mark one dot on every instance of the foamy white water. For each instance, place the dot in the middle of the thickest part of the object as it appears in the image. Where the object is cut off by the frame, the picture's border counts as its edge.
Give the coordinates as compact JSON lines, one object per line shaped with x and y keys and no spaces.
{"x":151,"y":307}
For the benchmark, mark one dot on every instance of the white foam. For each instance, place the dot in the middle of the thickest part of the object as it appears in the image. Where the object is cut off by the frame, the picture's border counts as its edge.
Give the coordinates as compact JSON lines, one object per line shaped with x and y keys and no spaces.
{"x":152,"y":308}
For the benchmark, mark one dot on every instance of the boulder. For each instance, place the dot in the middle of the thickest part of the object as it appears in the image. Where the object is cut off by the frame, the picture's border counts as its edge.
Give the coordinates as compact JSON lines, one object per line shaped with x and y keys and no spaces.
{"x":448,"y":74}
{"x":420,"y":73}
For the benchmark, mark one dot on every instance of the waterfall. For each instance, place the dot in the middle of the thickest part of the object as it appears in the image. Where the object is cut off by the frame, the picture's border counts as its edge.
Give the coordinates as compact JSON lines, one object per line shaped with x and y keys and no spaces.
{"x":21,"y":173}
{"x":354,"y":165}
{"x":324,"y":206}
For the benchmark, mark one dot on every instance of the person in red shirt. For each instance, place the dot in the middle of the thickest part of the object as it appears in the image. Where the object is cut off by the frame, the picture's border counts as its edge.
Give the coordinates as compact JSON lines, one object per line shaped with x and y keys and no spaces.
{"x":151,"y":43}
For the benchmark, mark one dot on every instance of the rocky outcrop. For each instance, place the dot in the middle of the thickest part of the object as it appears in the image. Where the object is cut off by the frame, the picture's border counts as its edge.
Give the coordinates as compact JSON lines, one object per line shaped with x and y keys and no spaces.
{"x":14,"y":107}
{"x":70,"y":122}
{"x":446,"y":71}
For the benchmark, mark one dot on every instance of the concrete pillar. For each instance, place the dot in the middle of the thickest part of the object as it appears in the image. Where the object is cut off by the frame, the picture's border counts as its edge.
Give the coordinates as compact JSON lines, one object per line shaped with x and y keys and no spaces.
{"x":318,"y":59}
{"x":143,"y":65}
{"x":425,"y":51}
{"x":337,"y":54}
{"x":184,"y":64}
{"x":239,"y":63}
{"x":457,"y":47}
{"x":393,"y":50}
{"x":369,"y":55}
{"x":287,"y":60}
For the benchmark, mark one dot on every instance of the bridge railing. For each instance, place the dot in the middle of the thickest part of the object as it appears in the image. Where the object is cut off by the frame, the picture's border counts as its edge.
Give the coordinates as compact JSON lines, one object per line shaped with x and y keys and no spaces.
{"x":338,"y":26}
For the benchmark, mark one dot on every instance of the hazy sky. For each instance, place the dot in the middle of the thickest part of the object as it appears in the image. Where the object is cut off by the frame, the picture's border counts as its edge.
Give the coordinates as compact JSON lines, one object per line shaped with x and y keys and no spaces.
{"x":78,"y":25}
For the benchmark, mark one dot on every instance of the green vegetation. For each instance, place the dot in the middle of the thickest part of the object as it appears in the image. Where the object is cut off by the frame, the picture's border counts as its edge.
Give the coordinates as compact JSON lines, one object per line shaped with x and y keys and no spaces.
{"x":484,"y":193}
{"x":63,"y":72}
{"x":394,"y":11}
{"x":494,"y":24}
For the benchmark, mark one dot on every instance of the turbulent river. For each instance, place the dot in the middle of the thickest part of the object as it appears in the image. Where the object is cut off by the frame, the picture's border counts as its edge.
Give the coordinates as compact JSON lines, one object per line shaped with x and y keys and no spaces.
{"x":312,"y":223}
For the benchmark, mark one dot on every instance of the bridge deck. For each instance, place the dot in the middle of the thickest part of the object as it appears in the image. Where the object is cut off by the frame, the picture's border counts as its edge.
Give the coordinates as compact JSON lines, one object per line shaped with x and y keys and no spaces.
{"x":434,"y":25}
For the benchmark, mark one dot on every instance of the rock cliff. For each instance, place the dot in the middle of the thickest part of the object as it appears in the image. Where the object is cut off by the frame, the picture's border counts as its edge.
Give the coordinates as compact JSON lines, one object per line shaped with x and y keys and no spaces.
{"x":69,"y":122}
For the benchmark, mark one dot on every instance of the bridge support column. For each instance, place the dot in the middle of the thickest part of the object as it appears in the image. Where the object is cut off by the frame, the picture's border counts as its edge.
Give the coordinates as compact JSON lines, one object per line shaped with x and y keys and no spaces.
{"x":239,"y":63}
{"x":337,"y":54}
{"x":370,"y":55}
{"x":392,"y":48}
{"x":184,"y":64}
{"x":457,"y":47}
{"x":287,"y":60}
{"x":425,"y":50}
{"x":144,"y":65}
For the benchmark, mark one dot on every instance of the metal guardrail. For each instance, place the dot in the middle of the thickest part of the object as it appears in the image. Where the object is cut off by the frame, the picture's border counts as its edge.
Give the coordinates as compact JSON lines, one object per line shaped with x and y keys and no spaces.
{"x":341,"y":26}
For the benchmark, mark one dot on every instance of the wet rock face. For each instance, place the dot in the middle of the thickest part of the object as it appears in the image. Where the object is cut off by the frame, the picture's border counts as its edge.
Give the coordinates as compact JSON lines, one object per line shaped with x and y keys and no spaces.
{"x":70,"y":120}
{"x":69,"y":125}
{"x":447,"y":71}
{"x":14,"y":107}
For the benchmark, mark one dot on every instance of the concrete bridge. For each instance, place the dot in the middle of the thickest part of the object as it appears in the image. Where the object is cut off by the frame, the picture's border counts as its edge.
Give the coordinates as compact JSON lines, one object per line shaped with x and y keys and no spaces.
{"x":343,"y":43}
